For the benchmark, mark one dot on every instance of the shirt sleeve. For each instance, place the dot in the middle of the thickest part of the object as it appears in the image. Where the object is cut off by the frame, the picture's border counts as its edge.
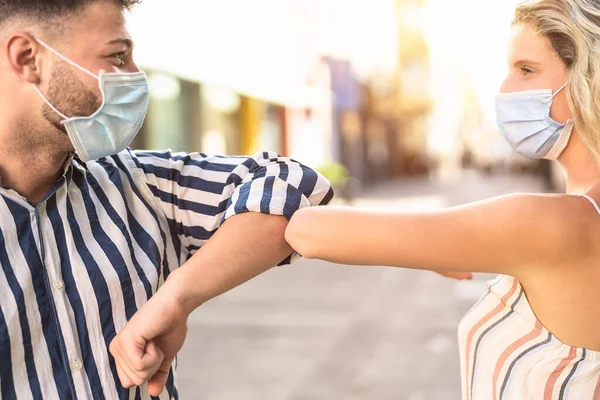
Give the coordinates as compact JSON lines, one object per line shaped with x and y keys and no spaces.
{"x":197,"y":193}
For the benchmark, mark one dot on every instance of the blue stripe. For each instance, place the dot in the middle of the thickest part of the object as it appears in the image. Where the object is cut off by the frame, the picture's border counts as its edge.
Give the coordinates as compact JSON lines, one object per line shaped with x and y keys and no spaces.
{"x":110,"y":248}
{"x":58,"y":354}
{"x":508,"y":314}
{"x":165,"y":265}
{"x":516,"y":360}
{"x":171,"y":385}
{"x":252,"y":166}
{"x":267,"y":195}
{"x":83,"y":335}
{"x":111,"y":251}
{"x":563,"y":388}
{"x":292,"y":203}
{"x":142,"y":237}
{"x":308,"y":182}
{"x":188,"y":160}
{"x":28,"y":246}
{"x":244,"y":193}
{"x":287,"y":261}
{"x":260,"y":173}
{"x":284,"y":171}
{"x":328,"y":197}
{"x":196,"y":232}
{"x":182,"y":157}
{"x":192,"y":182}
{"x":188,"y":205}
{"x":100,"y":290}
{"x":7,"y":385}
{"x":192,"y":248}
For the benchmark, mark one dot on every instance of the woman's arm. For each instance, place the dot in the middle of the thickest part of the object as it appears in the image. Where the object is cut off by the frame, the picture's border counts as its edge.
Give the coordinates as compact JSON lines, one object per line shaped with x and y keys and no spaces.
{"x":503,"y":235}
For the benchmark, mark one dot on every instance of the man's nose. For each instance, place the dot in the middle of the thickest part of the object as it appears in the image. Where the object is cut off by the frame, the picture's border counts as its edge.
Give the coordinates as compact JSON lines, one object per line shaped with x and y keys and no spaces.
{"x":131,"y":67}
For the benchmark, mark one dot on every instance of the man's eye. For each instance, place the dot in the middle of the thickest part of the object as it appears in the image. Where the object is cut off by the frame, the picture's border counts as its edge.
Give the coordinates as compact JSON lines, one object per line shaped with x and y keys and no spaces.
{"x":120,"y":57}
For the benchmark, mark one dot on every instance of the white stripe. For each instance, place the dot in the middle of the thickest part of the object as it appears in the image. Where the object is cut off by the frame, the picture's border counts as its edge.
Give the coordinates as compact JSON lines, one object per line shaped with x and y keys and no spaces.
{"x":17,"y":351}
{"x":296,"y":173}
{"x":114,"y":232}
{"x":25,"y":280}
{"x":104,"y":265}
{"x":190,"y":170}
{"x":148,"y":222}
{"x":64,"y":307}
{"x":208,"y":222}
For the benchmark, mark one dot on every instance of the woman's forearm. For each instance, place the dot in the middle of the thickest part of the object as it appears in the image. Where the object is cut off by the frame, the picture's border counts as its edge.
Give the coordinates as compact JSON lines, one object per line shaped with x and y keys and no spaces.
{"x":504,"y":235}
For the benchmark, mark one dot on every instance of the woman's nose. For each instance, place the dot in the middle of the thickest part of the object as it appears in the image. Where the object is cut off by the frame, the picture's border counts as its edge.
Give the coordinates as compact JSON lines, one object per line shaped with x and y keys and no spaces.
{"x":504,"y":87}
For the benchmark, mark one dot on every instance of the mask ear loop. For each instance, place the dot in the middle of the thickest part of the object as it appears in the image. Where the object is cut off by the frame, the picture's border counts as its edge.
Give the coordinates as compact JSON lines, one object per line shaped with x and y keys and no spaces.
{"x":73,"y":63}
{"x":37,"y":89}
{"x":555,"y":93}
{"x":559,"y":90}
{"x":562,"y":141}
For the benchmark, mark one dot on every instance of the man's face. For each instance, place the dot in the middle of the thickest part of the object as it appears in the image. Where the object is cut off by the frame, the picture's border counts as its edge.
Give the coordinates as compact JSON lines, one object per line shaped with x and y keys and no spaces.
{"x":96,"y":40}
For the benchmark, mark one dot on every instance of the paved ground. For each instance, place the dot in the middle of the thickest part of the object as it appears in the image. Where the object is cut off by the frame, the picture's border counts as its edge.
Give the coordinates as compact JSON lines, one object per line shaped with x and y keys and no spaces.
{"x":317,"y":331}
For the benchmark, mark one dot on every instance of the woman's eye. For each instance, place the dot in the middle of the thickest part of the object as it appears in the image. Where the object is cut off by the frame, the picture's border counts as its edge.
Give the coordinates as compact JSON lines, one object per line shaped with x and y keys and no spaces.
{"x":527,"y":70}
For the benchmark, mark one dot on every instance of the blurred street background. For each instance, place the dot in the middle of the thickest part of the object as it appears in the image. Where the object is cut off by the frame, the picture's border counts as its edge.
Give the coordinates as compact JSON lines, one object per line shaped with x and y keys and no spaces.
{"x":393,"y":101}
{"x":319,"y":331}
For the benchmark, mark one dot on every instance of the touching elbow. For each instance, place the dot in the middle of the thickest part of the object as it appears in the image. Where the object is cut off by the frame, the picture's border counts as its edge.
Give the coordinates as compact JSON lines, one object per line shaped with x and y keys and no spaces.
{"x":298,"y":236}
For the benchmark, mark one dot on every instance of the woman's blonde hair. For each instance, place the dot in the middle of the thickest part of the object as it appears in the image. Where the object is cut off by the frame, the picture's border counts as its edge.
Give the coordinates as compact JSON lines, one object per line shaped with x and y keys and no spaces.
{"x":573,"y":28}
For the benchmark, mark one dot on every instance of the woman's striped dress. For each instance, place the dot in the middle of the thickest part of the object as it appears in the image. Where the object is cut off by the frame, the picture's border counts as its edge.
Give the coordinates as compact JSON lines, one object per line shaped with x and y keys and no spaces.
{"x":507,"y":354}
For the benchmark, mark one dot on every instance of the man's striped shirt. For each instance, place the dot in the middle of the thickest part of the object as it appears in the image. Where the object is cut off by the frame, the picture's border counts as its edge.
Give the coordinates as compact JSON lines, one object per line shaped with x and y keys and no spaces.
{"x":76,"y":267}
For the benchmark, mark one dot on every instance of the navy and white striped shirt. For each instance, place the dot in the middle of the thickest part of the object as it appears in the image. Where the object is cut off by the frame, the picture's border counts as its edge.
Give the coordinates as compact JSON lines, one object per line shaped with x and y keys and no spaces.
{"x":77,"y":267}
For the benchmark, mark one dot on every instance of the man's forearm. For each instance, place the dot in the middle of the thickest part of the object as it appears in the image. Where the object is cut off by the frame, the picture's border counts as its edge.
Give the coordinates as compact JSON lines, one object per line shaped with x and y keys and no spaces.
{"x":245,"y":246}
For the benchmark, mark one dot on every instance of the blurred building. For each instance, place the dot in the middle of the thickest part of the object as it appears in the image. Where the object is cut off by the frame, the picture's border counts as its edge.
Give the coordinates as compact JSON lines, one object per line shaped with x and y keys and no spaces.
{"x":336,"y":81}
{"x":226,"y":77}
{"x":397,"y":104}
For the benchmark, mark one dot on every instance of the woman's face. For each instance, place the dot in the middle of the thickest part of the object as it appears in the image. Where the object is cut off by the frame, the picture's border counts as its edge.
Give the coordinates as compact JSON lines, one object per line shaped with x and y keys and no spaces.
{"x":533,"y":64}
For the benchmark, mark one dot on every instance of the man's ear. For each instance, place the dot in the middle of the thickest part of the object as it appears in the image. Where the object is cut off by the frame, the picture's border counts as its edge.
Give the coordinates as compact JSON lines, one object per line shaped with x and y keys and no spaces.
{"x":23,"y":56}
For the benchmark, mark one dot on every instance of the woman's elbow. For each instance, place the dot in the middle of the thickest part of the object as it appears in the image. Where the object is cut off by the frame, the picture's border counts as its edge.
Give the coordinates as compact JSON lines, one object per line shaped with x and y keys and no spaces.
{"x":300,"y":234}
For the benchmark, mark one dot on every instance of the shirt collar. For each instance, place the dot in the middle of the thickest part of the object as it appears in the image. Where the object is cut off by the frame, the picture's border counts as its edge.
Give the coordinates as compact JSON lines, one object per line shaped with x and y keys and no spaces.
{"x":74,"y":159}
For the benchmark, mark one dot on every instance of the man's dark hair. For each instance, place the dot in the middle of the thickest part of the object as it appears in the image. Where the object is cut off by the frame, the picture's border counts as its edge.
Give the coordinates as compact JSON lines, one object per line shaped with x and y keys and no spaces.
{"x":48,"y":9}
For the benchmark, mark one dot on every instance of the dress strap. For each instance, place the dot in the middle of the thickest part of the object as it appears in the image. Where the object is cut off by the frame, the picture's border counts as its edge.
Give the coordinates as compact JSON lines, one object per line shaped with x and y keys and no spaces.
{"x":592,"y":201}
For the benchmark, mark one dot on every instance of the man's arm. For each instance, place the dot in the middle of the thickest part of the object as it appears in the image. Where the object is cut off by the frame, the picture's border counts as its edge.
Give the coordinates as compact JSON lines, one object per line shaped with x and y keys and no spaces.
{"x":231,"y":215}
{"x":245,"y":246}
{"x":197,"y":193}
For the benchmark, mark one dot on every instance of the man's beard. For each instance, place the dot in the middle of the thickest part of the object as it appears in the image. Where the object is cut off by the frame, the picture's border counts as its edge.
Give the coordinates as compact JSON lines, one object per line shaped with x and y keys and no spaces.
{"x":69,"y":95}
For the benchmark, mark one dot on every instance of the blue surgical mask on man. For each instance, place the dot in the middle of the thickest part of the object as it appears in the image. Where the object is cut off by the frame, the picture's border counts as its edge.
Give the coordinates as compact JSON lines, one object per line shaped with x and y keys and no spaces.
{"x":524,"y":120}
{"x":118,"y":120}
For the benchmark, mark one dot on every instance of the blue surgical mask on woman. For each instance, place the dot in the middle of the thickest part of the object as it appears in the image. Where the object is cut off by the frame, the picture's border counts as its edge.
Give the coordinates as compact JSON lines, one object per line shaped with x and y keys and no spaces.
{"x":125,"y":98}
{"x":524,"y":120}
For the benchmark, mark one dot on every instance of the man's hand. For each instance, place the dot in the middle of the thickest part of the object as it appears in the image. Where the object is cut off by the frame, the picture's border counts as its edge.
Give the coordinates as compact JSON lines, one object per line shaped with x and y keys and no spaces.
{"x":461,"y":276}
{"x":245,"y":246}
{"x":145,"y":349}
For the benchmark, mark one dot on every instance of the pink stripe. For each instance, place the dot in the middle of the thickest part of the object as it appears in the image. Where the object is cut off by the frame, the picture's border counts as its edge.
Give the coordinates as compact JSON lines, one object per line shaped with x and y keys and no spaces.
{"x":554,"y":375}
{"x":511,"y":349}
{"x":478,"y":325}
